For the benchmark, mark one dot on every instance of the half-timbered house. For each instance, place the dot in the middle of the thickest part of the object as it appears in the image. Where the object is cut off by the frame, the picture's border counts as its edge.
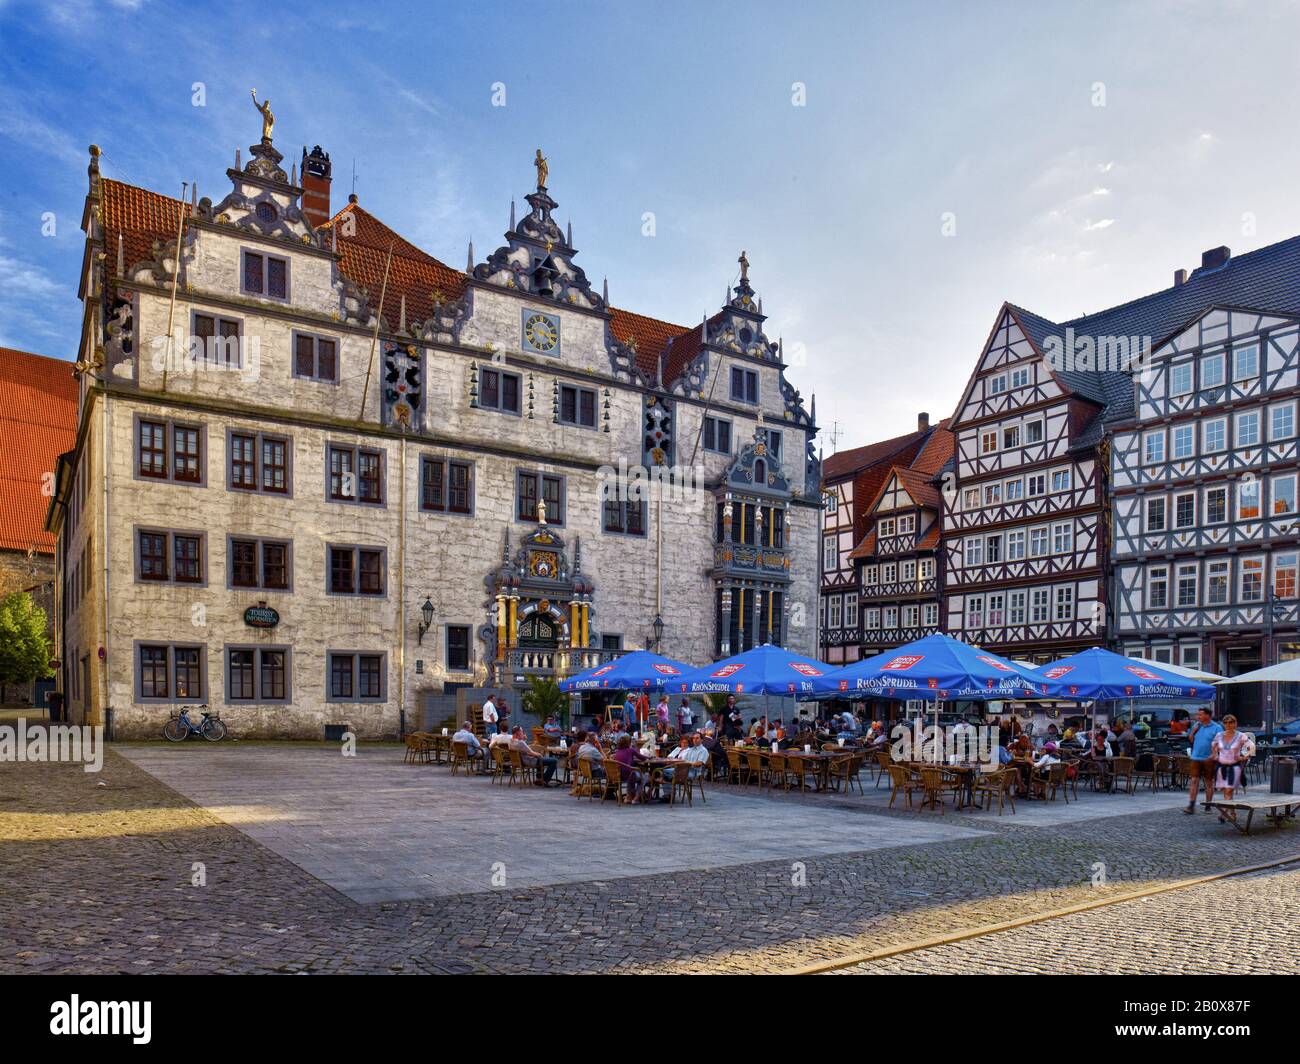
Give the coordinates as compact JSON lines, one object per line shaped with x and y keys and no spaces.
{"x":898,"y":563}
{"x":850,"y":481}
{"x":1024,"y":534}
{"x":1204,"y":475}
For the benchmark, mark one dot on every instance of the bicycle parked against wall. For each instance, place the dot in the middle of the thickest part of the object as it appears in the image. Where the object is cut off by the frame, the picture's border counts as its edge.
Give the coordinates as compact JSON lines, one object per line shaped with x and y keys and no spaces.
{"x":180,"y":727}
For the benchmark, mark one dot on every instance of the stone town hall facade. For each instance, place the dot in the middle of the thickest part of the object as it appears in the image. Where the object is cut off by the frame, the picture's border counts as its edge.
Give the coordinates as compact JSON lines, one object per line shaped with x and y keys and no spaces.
{"x":346,"y":436}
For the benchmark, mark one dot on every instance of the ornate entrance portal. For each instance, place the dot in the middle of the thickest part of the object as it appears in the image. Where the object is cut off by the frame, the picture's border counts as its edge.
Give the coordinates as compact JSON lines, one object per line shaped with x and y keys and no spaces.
{"x":539,"y":612}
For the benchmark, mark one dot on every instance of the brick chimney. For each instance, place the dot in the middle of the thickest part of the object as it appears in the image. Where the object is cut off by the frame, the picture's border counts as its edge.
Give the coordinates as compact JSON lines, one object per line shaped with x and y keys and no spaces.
{"x":922,"y":422}
{"x":1215,"y":257}
{"x":1180,"y":277}
{"x":316,"y":186}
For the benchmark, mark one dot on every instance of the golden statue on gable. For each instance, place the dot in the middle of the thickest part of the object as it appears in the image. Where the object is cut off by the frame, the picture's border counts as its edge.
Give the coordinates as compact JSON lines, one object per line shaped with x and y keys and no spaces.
{"x":268,"y":119}
{"x":543,"y":170}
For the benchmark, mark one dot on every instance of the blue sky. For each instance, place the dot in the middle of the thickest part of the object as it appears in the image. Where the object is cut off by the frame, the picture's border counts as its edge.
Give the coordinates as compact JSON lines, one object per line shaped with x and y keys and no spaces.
{"x":983,"y":111}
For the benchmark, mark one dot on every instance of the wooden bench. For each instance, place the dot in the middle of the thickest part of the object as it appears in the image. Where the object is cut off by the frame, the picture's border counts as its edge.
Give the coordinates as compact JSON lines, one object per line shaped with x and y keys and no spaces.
{"x":1277,"y":807}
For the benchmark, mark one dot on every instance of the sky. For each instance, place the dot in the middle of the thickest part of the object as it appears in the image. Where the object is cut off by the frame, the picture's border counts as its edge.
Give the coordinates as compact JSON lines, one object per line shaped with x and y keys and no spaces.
{"x":894,"y":171}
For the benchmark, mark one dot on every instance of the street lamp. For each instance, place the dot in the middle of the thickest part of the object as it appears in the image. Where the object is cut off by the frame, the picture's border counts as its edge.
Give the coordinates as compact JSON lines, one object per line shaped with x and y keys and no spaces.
{"x":427,"y":612}
{"x":658,"y":627}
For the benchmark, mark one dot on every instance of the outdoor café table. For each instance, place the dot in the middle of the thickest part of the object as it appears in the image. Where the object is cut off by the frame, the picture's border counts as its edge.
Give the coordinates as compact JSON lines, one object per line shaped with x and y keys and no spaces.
{"x":823,"y":759}
{"x":651,"y":771}
{"x":967,"y":774}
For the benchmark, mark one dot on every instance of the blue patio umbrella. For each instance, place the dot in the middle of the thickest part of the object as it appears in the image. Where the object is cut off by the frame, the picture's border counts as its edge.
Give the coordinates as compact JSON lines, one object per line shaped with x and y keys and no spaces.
{"x":765,"y":670}
{"x":937,"y":668}
{"x":639,"y":669}
{"x":934,"y":669}
{"x":1097,"y":675}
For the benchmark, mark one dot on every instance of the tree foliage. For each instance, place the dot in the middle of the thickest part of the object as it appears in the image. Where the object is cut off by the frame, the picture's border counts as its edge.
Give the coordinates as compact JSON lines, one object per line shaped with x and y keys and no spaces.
{"x":24,"y":647}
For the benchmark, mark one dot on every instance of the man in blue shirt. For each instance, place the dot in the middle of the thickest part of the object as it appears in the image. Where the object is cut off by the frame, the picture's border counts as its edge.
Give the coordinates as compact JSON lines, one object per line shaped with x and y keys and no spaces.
{"x":1201,"y":737}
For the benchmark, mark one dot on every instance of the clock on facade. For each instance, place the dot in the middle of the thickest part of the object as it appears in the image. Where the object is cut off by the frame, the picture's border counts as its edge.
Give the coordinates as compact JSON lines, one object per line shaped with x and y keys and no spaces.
{"x":541,"y":332}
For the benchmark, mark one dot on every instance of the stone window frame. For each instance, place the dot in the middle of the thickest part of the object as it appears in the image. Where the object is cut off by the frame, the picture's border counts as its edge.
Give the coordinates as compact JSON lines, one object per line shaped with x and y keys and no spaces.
{"x":748,"y":375}
{"x":218,"y":317}
{"x":717,"y":423}
{"x":257,"y":700}
{"x":354,"y":699}
{"x":447,"y":462}
{"x":170,"y":533}
{"x":577,"y":390}
{"x":541,"y":476}
{"x":285,"y":541}
{"x":469,"y":647}
{"x":260,"y":436}
{"x":316,"y":337}
{"x":170,"y":424}
{"x":356,"y":570}
{"x":266,"y":256}
{"x":172,"y":699}
{"x":501,"y":375}
{"x":356,"y":448}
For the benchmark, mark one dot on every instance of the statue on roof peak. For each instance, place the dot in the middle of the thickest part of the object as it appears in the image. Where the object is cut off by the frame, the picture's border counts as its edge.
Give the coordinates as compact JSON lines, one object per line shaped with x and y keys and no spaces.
{"x":543,"y":170}
{"x":744,"y":268}
{"x":268,"y":119}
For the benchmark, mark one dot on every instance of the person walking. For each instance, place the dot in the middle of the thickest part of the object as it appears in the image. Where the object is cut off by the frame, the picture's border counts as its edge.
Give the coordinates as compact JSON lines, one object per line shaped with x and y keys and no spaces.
{"x":1202,"y":737}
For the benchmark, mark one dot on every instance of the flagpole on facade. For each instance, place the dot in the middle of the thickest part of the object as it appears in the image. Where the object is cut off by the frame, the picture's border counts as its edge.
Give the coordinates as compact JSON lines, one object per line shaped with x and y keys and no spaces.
{"x":374,"y":337}
{"x":176,"y":280}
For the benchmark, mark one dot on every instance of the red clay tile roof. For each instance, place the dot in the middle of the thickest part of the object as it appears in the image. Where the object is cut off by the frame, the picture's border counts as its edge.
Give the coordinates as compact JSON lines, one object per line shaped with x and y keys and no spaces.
{"x":654,"y":337}
{"x":866,"y":548}
{"x":843,"y":463}
{"x":363,"y":248}
{"x":140,"y":216}
{"x":931,"y":538}
{"x":38,"y":422}
{"x":937,"y":450}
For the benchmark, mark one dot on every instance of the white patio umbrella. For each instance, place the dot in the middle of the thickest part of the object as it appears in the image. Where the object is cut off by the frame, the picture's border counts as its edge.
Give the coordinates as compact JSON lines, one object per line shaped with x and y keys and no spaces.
{"x":1284,"y":672}
{"x":1204,"y":675}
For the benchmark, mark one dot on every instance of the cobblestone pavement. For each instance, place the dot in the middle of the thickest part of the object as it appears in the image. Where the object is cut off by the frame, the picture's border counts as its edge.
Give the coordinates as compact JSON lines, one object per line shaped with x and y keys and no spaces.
{"x":1244,"y":925}
{"x":98,"y":879}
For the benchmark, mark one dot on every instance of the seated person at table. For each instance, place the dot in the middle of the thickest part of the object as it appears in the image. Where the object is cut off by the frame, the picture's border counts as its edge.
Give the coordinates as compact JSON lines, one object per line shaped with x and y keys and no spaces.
{"x":698,"y":755}
{"x":716,"y":750}
{"x":877,"y":738}
{"x":465,"y":734}
{"x":501,"y":738}
{"x":551,"y":727}
{"x":759,"y":735}
{"x":1047,"y":758}
{"x":589,"y":750}
{"x":685,"y":751}
{"x":1100,"y":749}
{"x":649,"y":743}
{"x":533,"y":758}
{"x":1180,"y":726}
{"x":628,"y":758}
{"x":1128,"y":744}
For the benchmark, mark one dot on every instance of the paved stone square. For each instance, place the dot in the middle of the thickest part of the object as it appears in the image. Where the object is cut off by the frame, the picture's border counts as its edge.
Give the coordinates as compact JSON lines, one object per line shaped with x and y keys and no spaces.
{"x":100,"y":874}
{"x":376,"y":829}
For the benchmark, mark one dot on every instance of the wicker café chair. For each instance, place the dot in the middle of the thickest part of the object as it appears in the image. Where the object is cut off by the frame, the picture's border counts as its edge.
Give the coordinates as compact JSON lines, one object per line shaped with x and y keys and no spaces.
{"x":520,"y":770}
{"x":1046,"y":786}
{"x":414,"y":749}
{"x":500,"y":764}
{"x":904,"y":783}
{"x":779,"y":772}
{"x":613,"y":782}
{"x":679,"y":777}
{"x":998,"y":785}
{"x":1121,"y":769}
{"x":585,"y":782}
{"x":737,"y":770}
{"x":757,"y":768}
{"x":884,"y":762}
{"x":460,"y":758}
{"x":846,"y":771}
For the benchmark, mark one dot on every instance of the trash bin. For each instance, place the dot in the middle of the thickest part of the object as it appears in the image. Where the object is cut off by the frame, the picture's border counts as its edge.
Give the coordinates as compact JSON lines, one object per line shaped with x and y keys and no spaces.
{"x":1282,"y":775}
